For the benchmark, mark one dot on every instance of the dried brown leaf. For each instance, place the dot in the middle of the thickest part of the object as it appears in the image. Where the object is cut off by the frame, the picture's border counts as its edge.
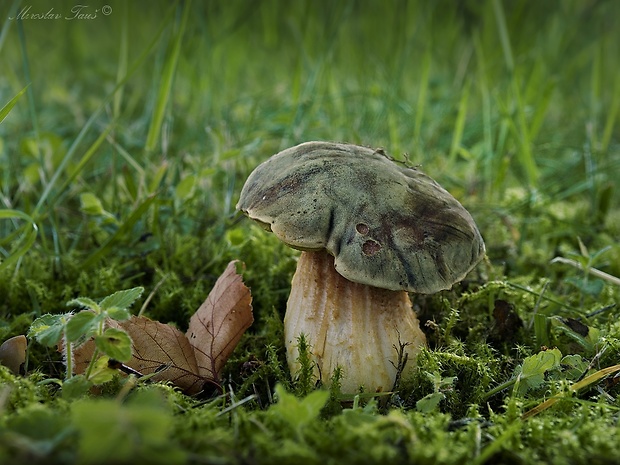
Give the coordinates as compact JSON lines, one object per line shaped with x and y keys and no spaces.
{"x":162,"y":349}
{"x":157,"y":348}
{"x":81,"y":355}
{"x":188,"y":360}
{"x":216,"y":327}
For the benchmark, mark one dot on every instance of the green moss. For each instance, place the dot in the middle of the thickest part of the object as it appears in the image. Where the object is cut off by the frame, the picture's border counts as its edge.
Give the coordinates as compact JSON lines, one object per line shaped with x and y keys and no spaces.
{"x":19,"y":392}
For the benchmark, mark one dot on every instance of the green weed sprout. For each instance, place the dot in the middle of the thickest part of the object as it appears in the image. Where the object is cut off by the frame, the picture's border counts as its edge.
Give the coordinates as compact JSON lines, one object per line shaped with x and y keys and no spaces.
{"x":530,"y":374}
{"x":70,"y":330}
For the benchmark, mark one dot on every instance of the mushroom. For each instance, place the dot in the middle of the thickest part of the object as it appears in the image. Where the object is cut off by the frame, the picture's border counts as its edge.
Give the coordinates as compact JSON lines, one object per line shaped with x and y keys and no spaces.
{"x":370,"y":231}
{"x":13,"y":353}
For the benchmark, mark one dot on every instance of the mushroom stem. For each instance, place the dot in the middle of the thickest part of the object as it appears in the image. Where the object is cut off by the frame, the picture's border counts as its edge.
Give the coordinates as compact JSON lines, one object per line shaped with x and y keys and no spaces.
{"x":354,"y":326}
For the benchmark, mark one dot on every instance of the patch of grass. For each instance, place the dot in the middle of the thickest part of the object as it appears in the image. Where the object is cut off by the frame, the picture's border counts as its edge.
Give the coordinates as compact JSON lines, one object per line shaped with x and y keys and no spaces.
{"x":122,"y":165}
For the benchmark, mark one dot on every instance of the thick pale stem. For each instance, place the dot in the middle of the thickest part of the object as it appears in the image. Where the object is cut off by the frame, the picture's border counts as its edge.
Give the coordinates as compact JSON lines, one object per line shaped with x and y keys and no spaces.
{"x":351,"y":325}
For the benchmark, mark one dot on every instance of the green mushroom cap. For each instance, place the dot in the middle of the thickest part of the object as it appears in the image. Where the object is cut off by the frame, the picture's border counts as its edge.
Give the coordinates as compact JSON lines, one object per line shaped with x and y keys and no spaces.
{"x":386,"y":225}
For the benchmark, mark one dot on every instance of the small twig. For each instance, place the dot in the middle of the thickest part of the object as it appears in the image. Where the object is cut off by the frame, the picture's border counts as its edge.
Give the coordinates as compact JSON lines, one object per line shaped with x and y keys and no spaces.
{"x":237,"y":404}
{"x":401,"y":361}
{"x":116,"y":365}
{"x":593,"y":271}
{"x":600,"y":310}
{"x":593,"y":362}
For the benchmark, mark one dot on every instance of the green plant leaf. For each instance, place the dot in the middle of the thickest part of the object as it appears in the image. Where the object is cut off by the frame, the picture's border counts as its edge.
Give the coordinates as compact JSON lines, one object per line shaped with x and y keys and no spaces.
{"x":75,"y":387}
{"x":101,"y":372}
{"x":91,"y":205}
{"x":81,"y":324}
{"x":85,"y":302}
{"x":118,"y":314}
{"x":574,"y":366}
{"x":591,"y":287}
{"x":115,"y":343}
{"x":48,"y":329}
{"x":541,"y":329}
{"x":429,"y":402}
{"x":587,"y":336}
{"x":121,"y":299}
{"x":299,"y":412}
{"x":594,"y":256}
{"x":185,"y":188}
{"x":582,"y":248}
{"x":534,"y":368}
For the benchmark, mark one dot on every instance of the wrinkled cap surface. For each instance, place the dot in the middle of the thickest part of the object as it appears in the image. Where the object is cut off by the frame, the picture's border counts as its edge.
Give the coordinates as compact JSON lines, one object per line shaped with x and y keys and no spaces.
{"x":386,"y":225}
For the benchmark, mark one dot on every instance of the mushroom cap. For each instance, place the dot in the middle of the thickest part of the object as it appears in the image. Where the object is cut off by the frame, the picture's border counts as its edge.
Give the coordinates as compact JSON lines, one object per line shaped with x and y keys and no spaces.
{"x":387,"y":225}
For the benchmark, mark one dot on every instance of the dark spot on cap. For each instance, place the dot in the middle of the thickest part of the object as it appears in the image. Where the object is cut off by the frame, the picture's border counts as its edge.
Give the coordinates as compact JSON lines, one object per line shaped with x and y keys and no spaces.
{"x":371,"y":247}
{"x":362,"y":228}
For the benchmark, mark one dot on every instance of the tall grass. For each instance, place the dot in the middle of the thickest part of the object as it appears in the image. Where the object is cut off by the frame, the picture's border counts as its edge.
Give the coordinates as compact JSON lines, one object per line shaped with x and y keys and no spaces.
{"x":165,"y":85}
{"x":161,"y":112}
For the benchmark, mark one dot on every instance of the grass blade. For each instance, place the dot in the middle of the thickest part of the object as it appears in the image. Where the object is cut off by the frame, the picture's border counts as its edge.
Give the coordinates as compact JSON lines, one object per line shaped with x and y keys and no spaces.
{"x":26,"y":66}
{"x":524,"y":153}
{"x":165,"y":86}
{"x":83,"y":161}
{"x":122,"y":62}
{"x":121,"y":231}
{"x":6,"y":109}
{"x":611,"y":116}
{"x":593,"y":378}
{"x":30,"y":93}
{"x":500,"y":19}
{"x":27,"y":239}
{"x":420,"y":107}
{"x":489,"y":159}
{"x":522,"y":134}
{"x":4,"y":30}
{"x":459,"y":125}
